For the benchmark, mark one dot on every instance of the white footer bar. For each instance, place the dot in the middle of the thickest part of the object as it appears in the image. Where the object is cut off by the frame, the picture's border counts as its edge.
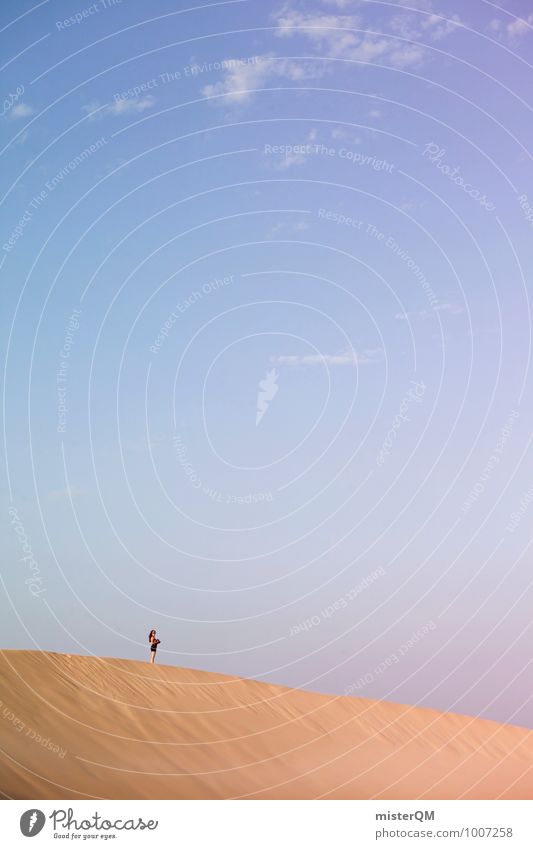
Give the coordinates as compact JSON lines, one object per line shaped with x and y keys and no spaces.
{"x":268,"y":824}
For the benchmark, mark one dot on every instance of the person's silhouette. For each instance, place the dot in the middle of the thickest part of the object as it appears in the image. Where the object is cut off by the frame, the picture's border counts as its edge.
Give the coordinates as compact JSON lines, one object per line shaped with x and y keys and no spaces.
{"x":154,"y":642}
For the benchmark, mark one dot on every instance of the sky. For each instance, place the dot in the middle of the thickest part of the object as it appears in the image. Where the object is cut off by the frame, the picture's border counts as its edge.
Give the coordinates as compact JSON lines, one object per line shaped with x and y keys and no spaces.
{"x":266,"y":336}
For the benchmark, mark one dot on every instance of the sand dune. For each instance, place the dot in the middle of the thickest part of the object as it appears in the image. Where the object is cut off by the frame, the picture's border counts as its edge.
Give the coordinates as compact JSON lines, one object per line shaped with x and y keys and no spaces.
{"x":89,"y":727}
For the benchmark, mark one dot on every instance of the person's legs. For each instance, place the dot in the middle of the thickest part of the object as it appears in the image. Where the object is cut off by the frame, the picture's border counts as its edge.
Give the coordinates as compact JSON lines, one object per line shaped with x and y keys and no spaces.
{"x":152,"y":656}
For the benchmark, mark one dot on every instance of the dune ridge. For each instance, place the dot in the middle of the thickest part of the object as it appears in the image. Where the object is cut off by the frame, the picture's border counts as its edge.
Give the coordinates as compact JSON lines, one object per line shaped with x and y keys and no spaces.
{"x":76,"y":727}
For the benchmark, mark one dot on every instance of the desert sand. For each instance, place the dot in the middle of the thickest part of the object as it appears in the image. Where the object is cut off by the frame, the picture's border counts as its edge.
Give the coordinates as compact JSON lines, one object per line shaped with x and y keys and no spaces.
{"x":75,"y":727}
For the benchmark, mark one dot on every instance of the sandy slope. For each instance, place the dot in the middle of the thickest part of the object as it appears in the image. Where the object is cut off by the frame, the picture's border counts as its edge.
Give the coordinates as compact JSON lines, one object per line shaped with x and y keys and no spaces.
{"x":82,"y":727}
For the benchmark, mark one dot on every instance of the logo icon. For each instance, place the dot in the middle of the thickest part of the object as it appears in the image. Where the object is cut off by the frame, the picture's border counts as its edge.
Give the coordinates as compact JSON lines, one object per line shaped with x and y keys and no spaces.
{"x":32,"y":822}
{"x":268,"y":388}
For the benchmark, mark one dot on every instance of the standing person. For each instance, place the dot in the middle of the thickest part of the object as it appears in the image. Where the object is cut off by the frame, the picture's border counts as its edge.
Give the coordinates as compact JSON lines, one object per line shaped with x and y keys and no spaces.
{"x":153,"y":644}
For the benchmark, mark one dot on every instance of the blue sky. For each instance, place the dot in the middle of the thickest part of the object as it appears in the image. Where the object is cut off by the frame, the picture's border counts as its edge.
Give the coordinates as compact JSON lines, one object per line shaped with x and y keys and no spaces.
{"x":266,"y":334}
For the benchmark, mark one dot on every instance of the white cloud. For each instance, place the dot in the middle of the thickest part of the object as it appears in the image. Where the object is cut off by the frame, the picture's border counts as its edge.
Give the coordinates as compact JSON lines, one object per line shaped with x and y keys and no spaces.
{"x":287,"y":227}
{"x":21,"y":110}
{"x":410,"y":204}
{"x":240,"y":81}
{"x":96,"y":110}
{"x":345,"y":134}
{"x":513,"y":31}
{"x":342,"y":36}
{"x":317,"y":27}
{"x":132,"y":104}
{"x":332,"y":34}
{"x":438,"y":26}
{"x":290,"y":159}
{"x":428,"y":26}
{"x":339,"y":36}
{"x":341,"y":4}
{"x":345,"y":358}
{"x":520,"y":27}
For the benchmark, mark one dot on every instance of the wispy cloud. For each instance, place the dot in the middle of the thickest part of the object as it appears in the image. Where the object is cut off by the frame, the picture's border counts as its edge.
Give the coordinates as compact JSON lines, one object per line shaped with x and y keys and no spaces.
{"x":333,"y":32}
{"x":346,"y":36}
{"x":288,"y":227}
{"x":428,"y":27}
{"x":340,"y":4}
{"x":96,"y":110}
{"x":511,"y":31}
{"x":316,"y":25}
{"x":340,"y":37}
{"x":347,"y":134}
{"x":21,"y":110}
{"x":296,"y":157}
{"x":291,"y":159}
{"x":348,"y":357}
{"x":132,"y":104}
{"x":520,"y":27}
{"x":240,"y":81}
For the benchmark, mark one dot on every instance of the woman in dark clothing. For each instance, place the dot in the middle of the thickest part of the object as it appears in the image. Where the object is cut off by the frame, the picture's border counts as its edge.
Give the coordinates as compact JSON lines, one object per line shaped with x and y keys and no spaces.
{"x":153,"y":644}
